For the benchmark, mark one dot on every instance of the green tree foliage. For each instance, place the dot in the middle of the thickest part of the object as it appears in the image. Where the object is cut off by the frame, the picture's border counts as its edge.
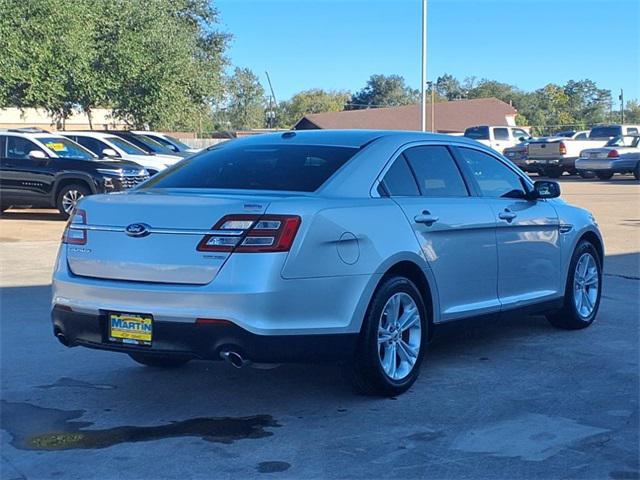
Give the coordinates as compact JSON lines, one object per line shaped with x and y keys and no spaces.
{"x":632,"y":112}
{"x":154,"y":62}
{"x":384,"y":91}
{"x":311,"y":101}
{"x":245,"y":101}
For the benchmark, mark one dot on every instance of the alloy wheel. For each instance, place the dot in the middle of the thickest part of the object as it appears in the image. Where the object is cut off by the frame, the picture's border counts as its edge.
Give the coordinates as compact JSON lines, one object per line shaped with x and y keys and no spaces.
{"x":399,"y":336}
{"x":585,"y":285}
{"x":70,"y":200}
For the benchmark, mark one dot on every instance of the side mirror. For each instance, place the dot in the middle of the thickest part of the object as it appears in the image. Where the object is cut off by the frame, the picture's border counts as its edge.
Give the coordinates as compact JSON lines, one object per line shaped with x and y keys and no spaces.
{"x":109,"y":152}
{"x":38,"y":155}
{"x":546,"y":189}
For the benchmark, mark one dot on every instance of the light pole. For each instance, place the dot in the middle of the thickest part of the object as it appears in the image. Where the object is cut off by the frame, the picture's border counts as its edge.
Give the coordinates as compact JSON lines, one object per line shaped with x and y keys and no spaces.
{"x":423,"y":81}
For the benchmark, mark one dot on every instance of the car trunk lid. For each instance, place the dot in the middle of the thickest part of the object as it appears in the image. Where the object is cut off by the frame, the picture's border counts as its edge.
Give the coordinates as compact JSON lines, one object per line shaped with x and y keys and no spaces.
{"x":153,"y":237}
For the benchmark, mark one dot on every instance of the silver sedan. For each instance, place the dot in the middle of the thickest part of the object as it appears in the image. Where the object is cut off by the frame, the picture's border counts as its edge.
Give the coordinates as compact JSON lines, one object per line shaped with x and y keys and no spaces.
{"x":346,"y":246}
{"x":620,"y":155}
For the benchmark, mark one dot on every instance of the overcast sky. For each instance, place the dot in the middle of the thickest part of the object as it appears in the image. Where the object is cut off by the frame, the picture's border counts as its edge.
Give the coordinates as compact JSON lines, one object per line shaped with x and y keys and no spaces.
{"x":338,"y":44}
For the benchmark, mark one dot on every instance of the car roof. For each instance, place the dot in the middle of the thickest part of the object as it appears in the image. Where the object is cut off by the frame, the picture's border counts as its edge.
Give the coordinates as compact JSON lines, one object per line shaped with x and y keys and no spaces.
{"x":346,"y":138}
{"x":89,"y":133}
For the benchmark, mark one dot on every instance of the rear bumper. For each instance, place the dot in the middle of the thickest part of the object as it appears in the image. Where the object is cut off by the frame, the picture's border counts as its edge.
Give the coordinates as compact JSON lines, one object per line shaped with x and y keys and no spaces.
{"x":540,"y":163}
{"x":205,"y":341}
{"x":603,"y":165}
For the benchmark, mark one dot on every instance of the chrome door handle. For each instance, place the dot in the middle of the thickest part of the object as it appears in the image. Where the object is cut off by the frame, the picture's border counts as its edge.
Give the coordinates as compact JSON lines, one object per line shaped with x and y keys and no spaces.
{"x":426,"y":218}
{"x":507,"y":215}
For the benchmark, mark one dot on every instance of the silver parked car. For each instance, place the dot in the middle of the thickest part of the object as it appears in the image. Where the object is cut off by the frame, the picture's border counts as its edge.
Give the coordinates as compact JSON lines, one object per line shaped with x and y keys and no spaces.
{"x":620,"y":155}
{"x":322,"y":245}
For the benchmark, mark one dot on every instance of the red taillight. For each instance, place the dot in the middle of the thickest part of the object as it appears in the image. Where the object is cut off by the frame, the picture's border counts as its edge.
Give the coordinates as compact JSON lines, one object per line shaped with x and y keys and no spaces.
{"x":251,"y":234}
{"x":75,"y":236}
{"x":563,"y":148}
{"x":613,"y":154}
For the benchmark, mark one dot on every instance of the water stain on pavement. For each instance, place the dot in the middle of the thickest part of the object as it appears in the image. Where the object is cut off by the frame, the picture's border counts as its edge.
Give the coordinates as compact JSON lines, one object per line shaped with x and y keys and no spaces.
{"x":73,"y":383}
{"x":272,"y":467}
{"x":62,"y":432}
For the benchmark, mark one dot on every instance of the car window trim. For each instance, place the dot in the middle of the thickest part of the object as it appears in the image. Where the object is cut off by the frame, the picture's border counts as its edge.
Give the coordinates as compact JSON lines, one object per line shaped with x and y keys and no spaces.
{"x":455,"y":162}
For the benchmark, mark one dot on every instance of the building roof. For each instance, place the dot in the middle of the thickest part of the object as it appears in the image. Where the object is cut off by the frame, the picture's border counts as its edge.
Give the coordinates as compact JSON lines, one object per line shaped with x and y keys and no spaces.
{"x":454,"y":116}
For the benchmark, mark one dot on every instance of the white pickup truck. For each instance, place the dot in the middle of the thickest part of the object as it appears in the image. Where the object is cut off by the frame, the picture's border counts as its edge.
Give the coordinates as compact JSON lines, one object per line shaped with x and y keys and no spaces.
{"x":553,"y":156}
{"x":497,"y":137}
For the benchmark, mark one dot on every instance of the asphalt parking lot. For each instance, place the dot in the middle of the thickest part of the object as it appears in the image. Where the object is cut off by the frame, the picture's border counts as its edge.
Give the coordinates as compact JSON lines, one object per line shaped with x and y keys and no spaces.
{"x":504,"y":399}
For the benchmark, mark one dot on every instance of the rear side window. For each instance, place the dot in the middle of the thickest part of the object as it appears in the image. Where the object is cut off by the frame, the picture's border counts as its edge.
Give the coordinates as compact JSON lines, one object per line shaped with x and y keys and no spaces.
{"x":632,"y":130}
{"x":399,"y":181}
{"x":301,"y":168}
{"x":605,"y":132}
{"x":96,"y":146}
{"x":436,"y":172}
{"x":477,"y":133}
{"x":501,"y":133}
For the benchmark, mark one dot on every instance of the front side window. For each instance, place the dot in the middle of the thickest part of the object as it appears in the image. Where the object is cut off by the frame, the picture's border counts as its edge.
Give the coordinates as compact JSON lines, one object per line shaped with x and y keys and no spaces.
{"x":19,"y":148}
{"x":632,"y":130}
{"x":582,"y":136}
{"x":126,"y":147}
{"x":298,"y":168}
{"x":399,"y":181}
{"x":494,"y":178}
{"x":501,"y":133}
{"x":436,"y":171}
{"x":519,"y":133}
{"x":65,"y":148}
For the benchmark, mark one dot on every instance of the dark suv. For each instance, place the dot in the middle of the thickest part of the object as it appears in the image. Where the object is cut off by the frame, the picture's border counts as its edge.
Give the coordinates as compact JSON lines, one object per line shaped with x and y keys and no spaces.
{"x":41,"y":169}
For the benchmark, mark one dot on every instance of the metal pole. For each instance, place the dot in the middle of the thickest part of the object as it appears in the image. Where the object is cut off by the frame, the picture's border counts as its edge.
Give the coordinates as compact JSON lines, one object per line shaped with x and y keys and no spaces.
{"x":423,"y":82}
{"x":273,"y":95}
{"x":622,"y":105}
{"x":433,"y":107}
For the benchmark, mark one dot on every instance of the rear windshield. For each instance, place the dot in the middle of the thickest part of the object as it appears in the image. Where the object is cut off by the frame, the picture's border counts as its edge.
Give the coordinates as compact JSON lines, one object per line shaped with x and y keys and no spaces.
{"x":605,"y":132}
{"x":624,"y":141}
{"x":477,"y":133}
{"x":301,"y":168}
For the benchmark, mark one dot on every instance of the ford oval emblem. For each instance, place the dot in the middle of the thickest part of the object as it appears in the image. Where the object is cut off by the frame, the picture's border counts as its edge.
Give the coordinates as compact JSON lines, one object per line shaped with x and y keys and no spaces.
{"x":138,"y":230}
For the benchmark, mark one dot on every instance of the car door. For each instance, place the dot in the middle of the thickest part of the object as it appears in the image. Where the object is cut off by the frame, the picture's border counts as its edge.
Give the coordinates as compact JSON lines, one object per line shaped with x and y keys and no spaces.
{"x":527,"y":231}
{"x":454,"y":228}
{"x":25,"y":179}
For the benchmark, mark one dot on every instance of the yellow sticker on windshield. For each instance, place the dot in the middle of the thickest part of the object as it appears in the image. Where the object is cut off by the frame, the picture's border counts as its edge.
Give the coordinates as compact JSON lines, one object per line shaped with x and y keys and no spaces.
{"x":56,"y":147}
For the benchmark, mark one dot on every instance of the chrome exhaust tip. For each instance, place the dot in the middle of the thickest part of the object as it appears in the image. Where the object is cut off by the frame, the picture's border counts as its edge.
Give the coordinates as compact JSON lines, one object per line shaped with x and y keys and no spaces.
{"x":234,"y":358}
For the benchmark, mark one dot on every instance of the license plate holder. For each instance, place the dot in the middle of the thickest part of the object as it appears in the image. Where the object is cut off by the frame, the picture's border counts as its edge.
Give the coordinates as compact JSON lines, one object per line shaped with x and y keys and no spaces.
{"x":130,"y":328}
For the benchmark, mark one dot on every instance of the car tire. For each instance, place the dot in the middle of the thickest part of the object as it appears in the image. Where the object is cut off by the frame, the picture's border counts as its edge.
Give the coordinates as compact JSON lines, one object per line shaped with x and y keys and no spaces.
{"x":553,"y":172}
{"x":604,"y":175}
{"x":584,"y":279}
{"x":585,"y":174}
{"x":385,"y":369}
{"x":636,"y":172}
{"x":69,"y":196}
{"x":159,"y":361}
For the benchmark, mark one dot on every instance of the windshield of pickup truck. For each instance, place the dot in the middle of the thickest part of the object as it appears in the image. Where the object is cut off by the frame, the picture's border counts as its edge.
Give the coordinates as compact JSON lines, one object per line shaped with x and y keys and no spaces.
{"x":65,"y":148}
{"x":605,"y":132}
{"x":624,"y":141}
{"x":477,"y":133}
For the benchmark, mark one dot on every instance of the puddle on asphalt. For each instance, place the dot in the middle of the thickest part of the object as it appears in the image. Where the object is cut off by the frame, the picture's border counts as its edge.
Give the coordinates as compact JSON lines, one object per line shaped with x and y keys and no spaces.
{"x":38,"y":428}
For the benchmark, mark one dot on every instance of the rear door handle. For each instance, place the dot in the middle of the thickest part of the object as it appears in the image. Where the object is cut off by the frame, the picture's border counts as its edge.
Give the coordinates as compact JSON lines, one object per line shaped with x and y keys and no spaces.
{"x":507,"y":215}
{"x":426,"y":218}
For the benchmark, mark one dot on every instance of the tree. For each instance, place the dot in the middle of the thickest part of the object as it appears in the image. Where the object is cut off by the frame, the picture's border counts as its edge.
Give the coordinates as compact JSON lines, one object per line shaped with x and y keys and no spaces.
{"x":449,"y":87}
{"x":311,"y":101}
{"x":632,"y":112}
{"x":157,"y":64}
{"x":384,"y":91}
{"x":245,"y":102}
{"x":587,"y":102}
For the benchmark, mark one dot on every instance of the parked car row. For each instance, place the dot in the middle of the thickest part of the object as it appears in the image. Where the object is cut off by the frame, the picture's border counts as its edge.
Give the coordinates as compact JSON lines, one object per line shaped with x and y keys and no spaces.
{"x":43,"y":169}
{"x":563,"y":152}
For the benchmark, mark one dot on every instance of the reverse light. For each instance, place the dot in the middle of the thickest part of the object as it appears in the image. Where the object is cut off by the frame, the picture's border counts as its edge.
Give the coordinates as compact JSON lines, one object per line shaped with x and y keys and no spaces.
{"x":75,"y":236}
{"x":613,"y":154}
{"x":252,"y":234}
{"x":562,"y":148}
